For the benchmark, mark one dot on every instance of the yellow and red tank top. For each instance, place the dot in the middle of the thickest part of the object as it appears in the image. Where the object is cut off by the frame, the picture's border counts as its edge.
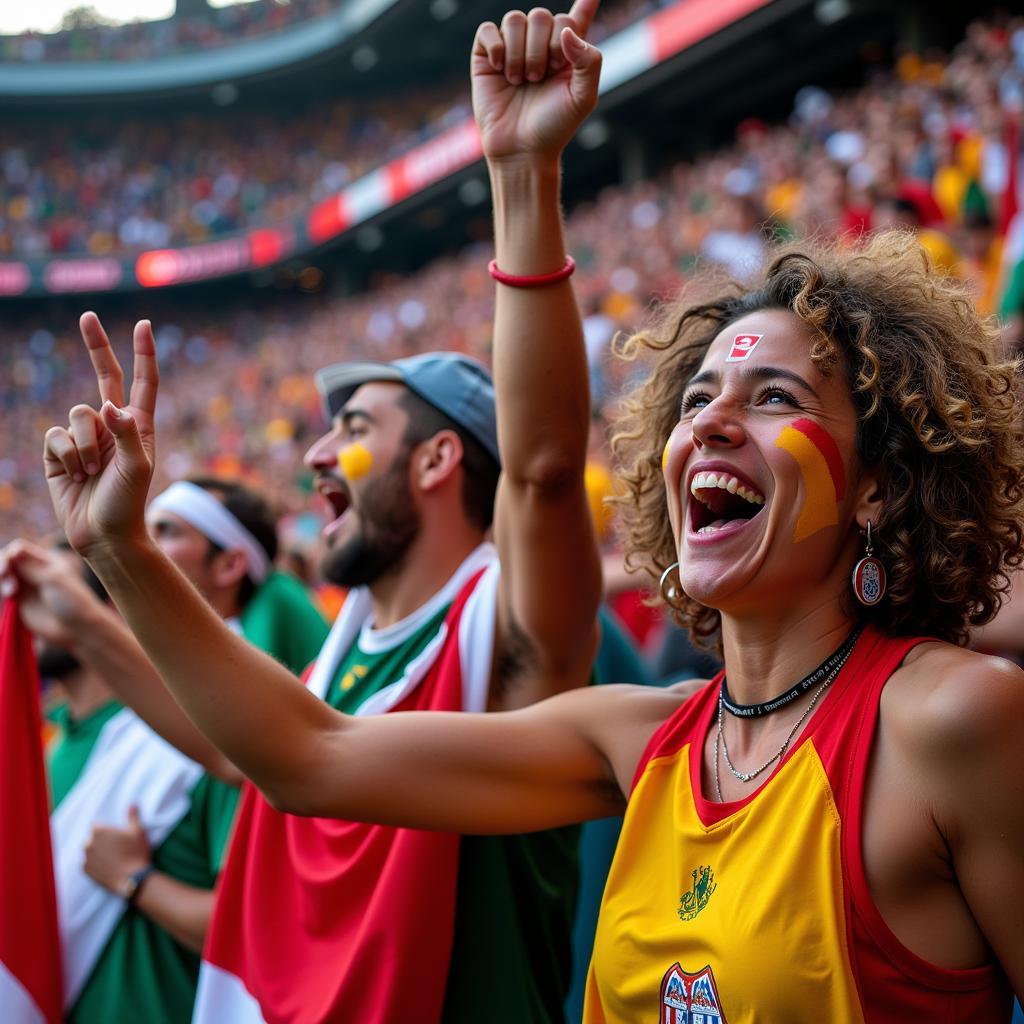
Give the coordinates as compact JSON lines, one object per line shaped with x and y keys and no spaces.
{"x":757,"y":911}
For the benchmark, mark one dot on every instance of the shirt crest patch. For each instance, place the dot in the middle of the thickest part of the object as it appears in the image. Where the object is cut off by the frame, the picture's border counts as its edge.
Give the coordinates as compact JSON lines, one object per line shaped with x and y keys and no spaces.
{"x":691,"y":903}
{"x":690,"y":998}
{"x":351,"y":678}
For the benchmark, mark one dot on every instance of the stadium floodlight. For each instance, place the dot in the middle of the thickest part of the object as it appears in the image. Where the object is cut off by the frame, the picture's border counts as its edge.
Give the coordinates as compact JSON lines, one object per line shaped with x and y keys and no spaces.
{"x":442,"y":10}
{"x":224,"y":94}
{"x":828,"y":12}
{"x":370,"y":238}
{"x":473,"y":191}
{"x":365,"y":58}
{"x":594,"y":134}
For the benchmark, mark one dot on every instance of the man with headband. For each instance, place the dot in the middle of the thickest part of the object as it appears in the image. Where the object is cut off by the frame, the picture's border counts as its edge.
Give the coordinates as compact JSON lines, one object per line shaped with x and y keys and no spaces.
{"x":223,"y":536}
{"x":134,"y":912}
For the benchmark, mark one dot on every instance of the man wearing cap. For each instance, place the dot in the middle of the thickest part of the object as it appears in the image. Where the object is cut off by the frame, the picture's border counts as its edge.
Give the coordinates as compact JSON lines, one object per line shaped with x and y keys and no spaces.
{"x":409,"y":472}
{"x":136,"y":897}
{"x":323,"y":920}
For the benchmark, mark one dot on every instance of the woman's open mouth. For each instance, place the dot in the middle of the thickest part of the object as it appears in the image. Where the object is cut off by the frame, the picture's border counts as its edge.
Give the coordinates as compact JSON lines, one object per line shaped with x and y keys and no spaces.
{"x":720,"y":501}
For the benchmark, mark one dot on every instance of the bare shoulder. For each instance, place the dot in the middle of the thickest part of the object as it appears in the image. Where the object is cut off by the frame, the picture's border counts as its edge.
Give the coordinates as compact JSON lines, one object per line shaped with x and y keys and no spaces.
{"x":947,"y":703}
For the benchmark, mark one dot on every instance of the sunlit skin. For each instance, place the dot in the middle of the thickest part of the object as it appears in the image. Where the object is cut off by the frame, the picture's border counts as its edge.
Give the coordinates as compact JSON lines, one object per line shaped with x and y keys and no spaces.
{"x":361,"y":445}
{"x":217,"y":578}
{"x":184,"y":545}
{"x":731,"y":416}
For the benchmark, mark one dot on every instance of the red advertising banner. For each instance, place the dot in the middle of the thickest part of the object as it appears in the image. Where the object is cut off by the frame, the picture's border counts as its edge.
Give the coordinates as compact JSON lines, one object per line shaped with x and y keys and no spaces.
{"x":452,"y":150}
{"x":269,"y":245}
{"x":681,"y":25}
{"x":160,"y":267}
{"x":328,"y":219}
{"x":85,"y":275}
{"x":14,"y":278}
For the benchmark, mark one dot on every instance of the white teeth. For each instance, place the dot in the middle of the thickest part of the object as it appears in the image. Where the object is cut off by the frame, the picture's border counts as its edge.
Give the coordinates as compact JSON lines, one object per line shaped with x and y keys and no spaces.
{"x":705,"y":481}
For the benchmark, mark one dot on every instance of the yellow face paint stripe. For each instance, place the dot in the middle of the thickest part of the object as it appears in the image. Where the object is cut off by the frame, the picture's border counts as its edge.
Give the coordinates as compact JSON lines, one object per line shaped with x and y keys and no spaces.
{"x":355,"y":460}
{"x":819,"y":508}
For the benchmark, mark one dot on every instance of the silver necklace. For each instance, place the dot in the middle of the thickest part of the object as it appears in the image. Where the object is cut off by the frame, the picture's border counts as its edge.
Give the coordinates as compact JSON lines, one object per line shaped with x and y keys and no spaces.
{"x":749,"y":776}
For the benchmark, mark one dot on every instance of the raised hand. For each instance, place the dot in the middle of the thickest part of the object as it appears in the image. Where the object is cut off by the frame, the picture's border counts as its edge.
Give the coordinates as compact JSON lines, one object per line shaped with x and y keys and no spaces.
{"x":534,"y":80}
{"x":98,"y":468}
{"x":53,"y":600}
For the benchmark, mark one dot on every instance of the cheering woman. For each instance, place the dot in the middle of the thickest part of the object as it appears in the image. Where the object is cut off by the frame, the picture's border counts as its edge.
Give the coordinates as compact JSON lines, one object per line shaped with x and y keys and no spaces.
{"x":824,"y":479}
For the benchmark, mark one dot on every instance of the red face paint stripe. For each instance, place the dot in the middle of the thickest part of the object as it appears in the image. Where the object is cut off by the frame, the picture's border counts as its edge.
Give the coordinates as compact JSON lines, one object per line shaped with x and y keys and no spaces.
{"x":823,"y":441}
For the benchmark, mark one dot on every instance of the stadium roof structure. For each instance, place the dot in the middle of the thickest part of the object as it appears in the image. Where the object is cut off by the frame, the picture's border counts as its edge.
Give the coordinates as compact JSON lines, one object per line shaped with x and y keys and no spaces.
{"x":287,"y":49}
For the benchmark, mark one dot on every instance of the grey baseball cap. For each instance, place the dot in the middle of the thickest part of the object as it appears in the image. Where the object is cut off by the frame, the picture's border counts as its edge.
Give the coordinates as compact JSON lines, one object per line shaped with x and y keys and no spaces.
{"x":458,"y":386}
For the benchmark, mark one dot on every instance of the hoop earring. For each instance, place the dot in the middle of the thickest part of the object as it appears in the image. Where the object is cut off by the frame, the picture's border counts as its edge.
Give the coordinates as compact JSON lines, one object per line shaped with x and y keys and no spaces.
{"x":670,"y":592}
{"x":869,"y":581}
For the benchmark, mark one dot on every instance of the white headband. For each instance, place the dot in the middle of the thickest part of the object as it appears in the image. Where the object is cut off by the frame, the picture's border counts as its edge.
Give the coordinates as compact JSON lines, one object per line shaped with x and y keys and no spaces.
{"x":202,"y":510}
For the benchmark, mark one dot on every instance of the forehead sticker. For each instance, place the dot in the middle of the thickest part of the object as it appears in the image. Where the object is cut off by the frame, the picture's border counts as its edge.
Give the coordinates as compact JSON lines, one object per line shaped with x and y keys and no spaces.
{"x":821,"y":467}
{"x":355,"y":460}
{"x":742,"y":346}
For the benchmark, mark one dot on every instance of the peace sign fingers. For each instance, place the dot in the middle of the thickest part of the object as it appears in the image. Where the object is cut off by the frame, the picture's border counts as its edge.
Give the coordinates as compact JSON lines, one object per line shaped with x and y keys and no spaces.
{"x":109,"y":375}
{"x":145,"y":372}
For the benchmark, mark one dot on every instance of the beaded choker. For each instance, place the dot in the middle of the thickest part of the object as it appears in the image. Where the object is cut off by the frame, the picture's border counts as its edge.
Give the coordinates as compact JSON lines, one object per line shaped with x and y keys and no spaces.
{"x":835,"y":659}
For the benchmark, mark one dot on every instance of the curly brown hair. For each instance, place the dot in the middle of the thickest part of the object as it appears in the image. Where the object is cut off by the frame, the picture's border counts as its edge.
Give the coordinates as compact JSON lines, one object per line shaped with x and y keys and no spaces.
{"x":937,"y":410}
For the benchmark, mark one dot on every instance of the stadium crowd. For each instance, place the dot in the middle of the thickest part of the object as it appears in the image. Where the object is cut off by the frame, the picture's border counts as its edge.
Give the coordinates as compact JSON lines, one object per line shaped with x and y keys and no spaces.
{"x":120,"y":185}
{"x":130,"y":185}
{"x":929,"y":143}
{"x":82,"y":38}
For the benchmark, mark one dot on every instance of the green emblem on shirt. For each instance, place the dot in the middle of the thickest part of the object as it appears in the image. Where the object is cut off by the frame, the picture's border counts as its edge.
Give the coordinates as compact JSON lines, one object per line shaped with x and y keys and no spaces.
{"x":693,"y":902}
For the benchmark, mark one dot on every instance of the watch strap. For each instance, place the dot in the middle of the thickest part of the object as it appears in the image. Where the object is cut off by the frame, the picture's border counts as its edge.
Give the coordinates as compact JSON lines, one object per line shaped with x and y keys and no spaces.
{"x":134,"y":883}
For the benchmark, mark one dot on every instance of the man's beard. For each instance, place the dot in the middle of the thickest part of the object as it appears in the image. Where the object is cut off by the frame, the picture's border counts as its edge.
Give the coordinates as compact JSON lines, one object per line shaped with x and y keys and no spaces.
{"x":388,"y":524}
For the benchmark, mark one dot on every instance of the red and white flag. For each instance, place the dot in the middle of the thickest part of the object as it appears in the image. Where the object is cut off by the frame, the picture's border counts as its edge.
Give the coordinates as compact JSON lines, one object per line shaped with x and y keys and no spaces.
{"x":30,"y":963}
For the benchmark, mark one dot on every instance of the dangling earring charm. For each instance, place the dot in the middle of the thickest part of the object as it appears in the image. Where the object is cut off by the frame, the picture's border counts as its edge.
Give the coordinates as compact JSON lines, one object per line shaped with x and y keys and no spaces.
{"x":670,"y":591}
{"x":869,"y":575}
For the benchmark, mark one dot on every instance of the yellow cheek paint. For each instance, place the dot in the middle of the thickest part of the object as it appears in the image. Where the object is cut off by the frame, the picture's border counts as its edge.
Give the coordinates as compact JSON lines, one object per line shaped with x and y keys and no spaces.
{"x":664,"y":456}
{"x":821,"y":467}
{"x":355,"y":461}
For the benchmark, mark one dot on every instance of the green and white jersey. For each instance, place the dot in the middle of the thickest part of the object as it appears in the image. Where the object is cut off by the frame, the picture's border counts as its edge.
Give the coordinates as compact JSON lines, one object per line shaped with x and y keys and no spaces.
{"x":102,"y":766}
{"x":119,"y":966}
{"x":516,"y":894}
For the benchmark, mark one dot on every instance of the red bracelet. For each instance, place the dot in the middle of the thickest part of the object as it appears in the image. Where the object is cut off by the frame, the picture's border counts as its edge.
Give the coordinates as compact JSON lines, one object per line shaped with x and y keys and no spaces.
{"x":531,"y":280}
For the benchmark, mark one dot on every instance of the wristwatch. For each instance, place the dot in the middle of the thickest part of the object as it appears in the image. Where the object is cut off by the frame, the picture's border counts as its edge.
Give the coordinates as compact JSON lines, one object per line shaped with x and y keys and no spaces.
{"x":133,"y":883}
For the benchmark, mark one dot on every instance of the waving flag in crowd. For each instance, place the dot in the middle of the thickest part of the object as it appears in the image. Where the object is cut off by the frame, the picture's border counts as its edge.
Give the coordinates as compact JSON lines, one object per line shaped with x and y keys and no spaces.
{"x":30,"y":972}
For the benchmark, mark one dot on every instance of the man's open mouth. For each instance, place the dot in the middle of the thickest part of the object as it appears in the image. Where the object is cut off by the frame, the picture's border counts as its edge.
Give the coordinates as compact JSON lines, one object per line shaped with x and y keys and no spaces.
{"x":720,"y":499}
{"x":335,"y":497}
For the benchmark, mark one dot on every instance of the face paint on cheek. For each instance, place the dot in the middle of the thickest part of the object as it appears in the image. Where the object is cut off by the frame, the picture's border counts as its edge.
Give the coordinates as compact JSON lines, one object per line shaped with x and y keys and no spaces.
{"x":677,"y":450}
{"x":821,"y":467}
{"x":355,"y":461}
